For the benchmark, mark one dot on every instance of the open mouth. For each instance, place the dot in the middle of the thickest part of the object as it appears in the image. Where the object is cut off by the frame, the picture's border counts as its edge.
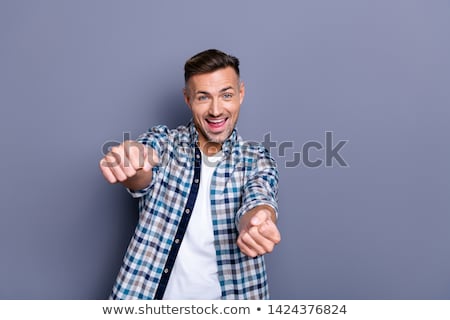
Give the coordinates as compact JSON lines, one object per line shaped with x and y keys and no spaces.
{"x":216,"y":125}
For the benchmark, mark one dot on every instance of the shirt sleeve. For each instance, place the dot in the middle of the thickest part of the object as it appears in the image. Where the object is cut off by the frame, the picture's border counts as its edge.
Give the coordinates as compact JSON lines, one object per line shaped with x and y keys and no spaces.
{"x":261,"y":187}
{"x":157,"y":139}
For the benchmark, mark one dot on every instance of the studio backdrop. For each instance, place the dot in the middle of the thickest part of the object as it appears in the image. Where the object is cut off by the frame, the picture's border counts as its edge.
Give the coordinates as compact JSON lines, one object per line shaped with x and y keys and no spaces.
{"x":351,"y":97}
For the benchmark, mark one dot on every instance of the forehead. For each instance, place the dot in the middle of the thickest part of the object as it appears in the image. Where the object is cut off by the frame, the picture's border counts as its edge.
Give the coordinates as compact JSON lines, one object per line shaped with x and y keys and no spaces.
{"x":214,"y":81}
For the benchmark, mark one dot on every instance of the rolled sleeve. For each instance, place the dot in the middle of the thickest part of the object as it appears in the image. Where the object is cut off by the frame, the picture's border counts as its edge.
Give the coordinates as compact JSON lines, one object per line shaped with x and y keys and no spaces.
{"x":155,"y":138}
{"x":261,"y":188}
{"x":142,"y":192}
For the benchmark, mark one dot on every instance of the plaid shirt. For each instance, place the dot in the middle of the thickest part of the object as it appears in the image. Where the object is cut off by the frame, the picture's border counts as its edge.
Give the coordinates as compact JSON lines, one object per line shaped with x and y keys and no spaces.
{"x":245,"y":177}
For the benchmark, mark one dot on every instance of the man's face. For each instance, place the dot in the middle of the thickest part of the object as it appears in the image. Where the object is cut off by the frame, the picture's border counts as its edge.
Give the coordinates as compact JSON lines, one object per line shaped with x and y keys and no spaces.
{"x":214,"y":99}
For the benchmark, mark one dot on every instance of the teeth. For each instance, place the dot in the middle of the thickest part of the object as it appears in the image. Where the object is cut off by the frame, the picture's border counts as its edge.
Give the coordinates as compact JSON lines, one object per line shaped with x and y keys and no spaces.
{"x":216,"y":121}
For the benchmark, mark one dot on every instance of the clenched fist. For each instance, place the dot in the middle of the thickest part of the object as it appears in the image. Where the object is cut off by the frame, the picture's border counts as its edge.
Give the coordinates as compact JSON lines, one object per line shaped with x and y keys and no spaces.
{"x":129,"y":163}
{"x":258,"y":233}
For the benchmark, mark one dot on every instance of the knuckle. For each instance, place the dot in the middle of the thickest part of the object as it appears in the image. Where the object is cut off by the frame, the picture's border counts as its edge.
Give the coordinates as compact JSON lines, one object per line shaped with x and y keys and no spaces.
{"x":246,"y":237}
{"x":277,"y":240}
{"x":116,"y":149}
{"x":253,"y":231}
{"x":251,"y":253}
{"x":260,"y":251}
{"x":108,"y":163}
{"x":122,"y":178}
{"x":128,"y":143}
{"x":130,"y":172}
{"x":111,"y":180}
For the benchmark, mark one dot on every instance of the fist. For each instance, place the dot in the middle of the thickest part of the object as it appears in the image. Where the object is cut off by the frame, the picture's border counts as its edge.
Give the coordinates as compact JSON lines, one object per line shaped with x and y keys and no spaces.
{"x":258,"y":232}
{"x":126,"y":160}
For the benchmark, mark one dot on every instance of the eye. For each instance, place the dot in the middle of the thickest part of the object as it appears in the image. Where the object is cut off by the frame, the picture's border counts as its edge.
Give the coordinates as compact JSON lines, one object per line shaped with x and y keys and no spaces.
{"x":202,"y":97}
{"x":227,"y":95}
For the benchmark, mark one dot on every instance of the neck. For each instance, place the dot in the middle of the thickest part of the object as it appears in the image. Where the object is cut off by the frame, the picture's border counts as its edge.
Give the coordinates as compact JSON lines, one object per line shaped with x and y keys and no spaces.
{"x":209,"y":148}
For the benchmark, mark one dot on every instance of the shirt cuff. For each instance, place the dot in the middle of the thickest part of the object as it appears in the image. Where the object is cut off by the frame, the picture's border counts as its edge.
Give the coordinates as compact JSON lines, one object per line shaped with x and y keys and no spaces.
{"x":139,"y":193}
{"x":249,"y":206}
{"x":142,"y":192}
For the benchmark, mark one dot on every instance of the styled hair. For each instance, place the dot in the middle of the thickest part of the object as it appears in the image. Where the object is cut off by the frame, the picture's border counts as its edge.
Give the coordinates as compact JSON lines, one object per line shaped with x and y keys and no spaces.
{"x":209,"y":61}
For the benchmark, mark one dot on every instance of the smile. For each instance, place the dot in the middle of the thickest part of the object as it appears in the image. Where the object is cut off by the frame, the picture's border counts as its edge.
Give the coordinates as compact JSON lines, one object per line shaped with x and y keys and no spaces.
{"x":216,"y":124}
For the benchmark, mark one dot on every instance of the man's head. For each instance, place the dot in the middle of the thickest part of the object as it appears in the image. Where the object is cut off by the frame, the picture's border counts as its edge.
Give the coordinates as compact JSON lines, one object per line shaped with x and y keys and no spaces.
{"x":208,"y":61}
{"x":214,"y":94}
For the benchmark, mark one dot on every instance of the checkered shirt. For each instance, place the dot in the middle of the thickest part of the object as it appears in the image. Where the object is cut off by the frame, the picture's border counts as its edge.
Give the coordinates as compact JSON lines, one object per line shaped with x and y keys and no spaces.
{"x":245,"y":177}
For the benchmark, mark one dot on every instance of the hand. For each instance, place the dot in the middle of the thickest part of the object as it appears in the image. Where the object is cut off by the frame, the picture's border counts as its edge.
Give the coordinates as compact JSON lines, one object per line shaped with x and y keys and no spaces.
{"x":258,"y":233}
{"x":129,"y":163}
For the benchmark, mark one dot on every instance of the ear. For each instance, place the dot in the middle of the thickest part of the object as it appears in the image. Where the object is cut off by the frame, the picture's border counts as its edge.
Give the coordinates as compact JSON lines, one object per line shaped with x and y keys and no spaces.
{"x":241,"y":92}
{"x":187,"y":97}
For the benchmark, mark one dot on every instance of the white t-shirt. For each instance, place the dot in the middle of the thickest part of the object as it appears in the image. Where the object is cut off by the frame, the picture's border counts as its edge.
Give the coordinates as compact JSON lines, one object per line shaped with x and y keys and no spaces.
{"x":194,"y":275}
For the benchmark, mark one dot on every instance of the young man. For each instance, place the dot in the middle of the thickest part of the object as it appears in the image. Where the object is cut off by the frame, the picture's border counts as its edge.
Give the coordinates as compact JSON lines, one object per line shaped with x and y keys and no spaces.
{"x":208,"y":200}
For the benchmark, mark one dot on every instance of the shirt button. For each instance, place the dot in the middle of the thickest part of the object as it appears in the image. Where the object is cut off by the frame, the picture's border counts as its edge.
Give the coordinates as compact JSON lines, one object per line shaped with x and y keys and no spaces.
{"x":187,"y":211}
{"x":166,"y":270}
{"x":196,"y":180}
{"x":197,"y":156}
{"x":177,"y":241}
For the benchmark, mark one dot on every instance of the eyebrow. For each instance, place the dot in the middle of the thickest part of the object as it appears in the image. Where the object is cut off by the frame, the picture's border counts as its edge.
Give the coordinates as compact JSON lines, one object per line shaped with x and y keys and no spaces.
{"x":222,"y":90}
{"x":227,"y":88}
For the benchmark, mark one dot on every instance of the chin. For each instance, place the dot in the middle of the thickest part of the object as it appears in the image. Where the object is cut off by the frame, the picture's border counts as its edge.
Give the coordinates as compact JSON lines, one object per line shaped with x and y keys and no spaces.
{"x":215,"y":140}
{"x":219,"y":138}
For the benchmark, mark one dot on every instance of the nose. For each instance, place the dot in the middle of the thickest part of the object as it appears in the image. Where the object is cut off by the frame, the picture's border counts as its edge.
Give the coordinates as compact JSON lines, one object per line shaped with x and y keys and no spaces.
{"x":215,"y":109}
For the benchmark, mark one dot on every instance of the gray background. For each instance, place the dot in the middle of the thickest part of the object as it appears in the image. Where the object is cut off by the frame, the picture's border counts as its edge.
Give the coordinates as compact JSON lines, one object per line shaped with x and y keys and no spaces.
{"x":77,"y":74}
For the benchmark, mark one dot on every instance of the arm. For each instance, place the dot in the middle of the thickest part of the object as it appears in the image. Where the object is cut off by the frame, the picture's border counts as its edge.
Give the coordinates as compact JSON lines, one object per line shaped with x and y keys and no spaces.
{"x":130,"y":163}
{"x":256,"y":219}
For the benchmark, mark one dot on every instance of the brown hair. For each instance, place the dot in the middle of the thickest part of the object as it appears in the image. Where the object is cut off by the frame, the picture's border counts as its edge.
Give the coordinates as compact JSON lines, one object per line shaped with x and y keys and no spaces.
{"x":209,"y":61}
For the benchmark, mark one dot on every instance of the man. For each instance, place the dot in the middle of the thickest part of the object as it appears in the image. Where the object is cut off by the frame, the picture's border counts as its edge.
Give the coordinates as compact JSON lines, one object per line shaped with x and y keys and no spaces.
{"x":207,"y":199}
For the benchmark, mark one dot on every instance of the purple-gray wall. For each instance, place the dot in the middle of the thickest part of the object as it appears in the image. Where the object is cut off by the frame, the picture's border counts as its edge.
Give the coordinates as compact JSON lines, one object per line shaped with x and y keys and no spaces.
{"x":75,"y":75}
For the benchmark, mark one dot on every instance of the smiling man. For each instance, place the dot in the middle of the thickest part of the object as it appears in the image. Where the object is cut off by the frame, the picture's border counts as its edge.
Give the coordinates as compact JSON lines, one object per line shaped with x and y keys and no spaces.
{"x":208,"y":200}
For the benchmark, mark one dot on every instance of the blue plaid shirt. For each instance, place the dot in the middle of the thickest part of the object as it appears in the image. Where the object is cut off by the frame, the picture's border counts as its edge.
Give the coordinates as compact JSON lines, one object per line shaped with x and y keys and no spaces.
{"x":245,"y":177}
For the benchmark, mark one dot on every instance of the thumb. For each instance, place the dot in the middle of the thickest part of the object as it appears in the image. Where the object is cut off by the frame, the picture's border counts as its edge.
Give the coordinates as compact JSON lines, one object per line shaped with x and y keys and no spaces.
{"x":260,"y":217}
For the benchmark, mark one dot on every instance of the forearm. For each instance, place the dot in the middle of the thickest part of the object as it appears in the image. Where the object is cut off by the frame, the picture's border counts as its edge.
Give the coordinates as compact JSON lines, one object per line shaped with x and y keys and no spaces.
{"x":141,"y":180}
